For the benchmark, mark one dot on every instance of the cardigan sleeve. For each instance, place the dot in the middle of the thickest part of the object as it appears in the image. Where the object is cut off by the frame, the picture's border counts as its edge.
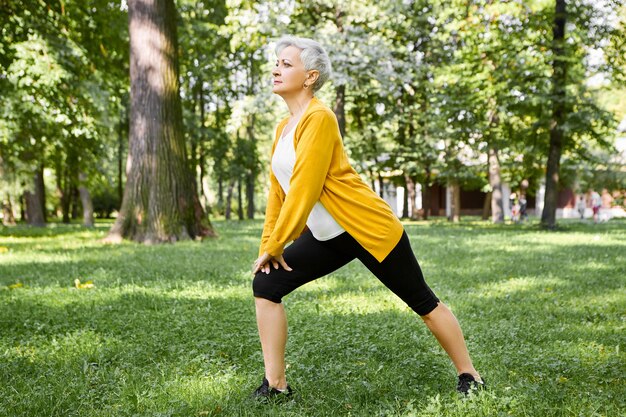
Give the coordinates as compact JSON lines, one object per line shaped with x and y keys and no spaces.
{"x":274,"y":203}
{"x":275,"y":197}
{"x":314,"y":150}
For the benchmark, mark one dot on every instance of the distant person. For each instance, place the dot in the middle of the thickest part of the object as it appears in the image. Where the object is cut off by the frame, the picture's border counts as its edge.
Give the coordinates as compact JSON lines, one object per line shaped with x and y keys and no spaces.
{"x":523,"y":207}
{"x":596,"y":204}
{"x":581,"y":205}
{"x":313,"y":185}
{"x":514,"y":207}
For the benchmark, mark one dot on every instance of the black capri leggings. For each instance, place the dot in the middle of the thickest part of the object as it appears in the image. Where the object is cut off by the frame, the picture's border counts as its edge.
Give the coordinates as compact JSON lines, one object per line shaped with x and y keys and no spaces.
{"x":310,"y":259}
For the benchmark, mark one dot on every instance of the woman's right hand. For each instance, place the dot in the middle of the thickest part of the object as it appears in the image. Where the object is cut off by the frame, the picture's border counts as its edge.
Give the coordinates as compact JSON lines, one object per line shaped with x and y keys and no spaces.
{"x":263,"y":263}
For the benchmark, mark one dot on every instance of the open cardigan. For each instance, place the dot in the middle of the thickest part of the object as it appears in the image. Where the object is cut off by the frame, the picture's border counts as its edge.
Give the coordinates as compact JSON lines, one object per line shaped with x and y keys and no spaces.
{"x":323,"y":173}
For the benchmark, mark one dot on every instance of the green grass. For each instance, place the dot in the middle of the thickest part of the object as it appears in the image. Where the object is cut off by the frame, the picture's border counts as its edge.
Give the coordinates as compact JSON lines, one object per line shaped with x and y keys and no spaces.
{"x":170,"y":330}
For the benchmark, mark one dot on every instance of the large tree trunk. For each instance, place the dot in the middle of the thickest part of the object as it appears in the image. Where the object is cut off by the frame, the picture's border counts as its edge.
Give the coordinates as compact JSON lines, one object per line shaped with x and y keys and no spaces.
{"x":160,"y":201}
{"x":8,"y":219}
{"x":497,"y":205}
{"x":85,"y":199}
{"x":559,"y":78}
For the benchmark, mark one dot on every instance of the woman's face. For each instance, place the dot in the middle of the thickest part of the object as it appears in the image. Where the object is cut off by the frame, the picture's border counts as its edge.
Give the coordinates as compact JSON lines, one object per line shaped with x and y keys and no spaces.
{"x":289,"y":74}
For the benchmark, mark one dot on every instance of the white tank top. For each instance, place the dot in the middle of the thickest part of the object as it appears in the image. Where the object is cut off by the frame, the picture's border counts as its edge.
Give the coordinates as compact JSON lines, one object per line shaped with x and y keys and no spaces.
{"x":322,"y":225}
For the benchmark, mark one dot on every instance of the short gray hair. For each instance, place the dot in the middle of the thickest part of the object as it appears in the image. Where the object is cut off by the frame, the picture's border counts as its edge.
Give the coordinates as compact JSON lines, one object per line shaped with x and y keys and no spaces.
{"x":313,"y":56}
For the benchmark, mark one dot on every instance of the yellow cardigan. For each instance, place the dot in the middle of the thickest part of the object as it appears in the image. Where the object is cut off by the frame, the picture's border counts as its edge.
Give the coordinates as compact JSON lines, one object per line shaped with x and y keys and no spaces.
{"x":322,"y":172}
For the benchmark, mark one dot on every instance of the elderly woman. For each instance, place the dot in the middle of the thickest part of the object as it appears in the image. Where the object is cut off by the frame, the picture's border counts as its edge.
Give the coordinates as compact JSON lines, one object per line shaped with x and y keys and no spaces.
{"x":312,"y":184}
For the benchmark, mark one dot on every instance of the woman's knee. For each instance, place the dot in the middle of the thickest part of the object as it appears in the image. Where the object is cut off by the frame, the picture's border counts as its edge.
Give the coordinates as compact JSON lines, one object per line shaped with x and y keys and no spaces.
{"x":262,"y":288}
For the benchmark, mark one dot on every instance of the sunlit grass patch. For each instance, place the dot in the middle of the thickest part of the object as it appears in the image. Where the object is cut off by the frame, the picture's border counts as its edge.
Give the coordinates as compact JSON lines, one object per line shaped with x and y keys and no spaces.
{"x":170,"y":329}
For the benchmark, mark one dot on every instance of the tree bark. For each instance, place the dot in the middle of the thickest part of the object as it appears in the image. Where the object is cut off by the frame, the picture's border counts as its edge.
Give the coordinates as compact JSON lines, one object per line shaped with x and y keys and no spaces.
{"x":85,"y":199}
{"x":426,"y":203}
{"x":32,"y":200}
{"x":251,"y":172}
{"x":229,"y":200}
{"x":411,"y":194}
{"x":239,"y":199}
{"x":497,"y":205}
{"x":8,"y":219}
{"x":340,"y":108}
{"x":160,"y":202}
{"x":340,"y":97}
{"x":405,"y":198}
{"x":40,"y":190}
{"x":559,"y":79}
{"x":121,"y":138}
{"x":455,"y":210}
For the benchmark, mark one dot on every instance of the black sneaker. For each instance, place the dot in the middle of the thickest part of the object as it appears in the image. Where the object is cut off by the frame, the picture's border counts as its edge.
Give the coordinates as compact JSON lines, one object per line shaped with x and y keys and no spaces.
{"x":468,"y":383}
{"x":265,"y":392}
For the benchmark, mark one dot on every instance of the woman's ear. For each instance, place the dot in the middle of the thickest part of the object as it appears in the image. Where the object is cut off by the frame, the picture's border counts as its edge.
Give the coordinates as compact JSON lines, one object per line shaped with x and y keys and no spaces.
{"x":312,"y":76}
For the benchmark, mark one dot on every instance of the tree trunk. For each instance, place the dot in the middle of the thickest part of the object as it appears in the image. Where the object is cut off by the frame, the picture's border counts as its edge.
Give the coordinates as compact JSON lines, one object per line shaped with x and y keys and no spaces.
{"x":220,"y":194}
{"x":75,"y":202}
{"x":381,"y":185}
{"x":411,"y":194}
{"x":340,"y":97}
{"x":455,"y":210}
{"x":201,"y":151}
{"x":405,"y":198}
{"x":240,"y":199}
{"x":40,"y":190}
{"x":229,"y":200}
{"x":160,"y":202}
{"x":426,"y":203}
{"x":340,"y":108}
{"x":251,"y":171}
{"x":85,"y":199}
{"x":8,"y":219}
{"x":34,"y":212}
{"x":497,"y":205}
{"x":121,"y":137}
{"x":559,"y":78}
{"x":250,"y":195}
{"x":487,"y":206}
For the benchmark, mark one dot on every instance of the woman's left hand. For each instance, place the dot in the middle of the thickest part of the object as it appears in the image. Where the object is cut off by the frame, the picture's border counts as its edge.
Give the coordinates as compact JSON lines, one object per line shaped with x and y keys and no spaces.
{"x":263,"y":263}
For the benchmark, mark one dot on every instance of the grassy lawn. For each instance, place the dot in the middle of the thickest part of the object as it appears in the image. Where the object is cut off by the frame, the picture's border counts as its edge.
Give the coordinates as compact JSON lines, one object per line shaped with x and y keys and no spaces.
{"x":170,"y":330}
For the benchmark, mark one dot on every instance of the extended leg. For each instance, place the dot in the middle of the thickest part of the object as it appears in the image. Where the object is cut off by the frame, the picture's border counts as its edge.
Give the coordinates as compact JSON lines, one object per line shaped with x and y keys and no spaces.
{"x":444,"y":325}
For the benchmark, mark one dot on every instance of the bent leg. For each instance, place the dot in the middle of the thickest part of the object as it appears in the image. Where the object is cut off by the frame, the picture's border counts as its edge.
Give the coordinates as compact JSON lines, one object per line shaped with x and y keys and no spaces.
{"x":309,"y":259}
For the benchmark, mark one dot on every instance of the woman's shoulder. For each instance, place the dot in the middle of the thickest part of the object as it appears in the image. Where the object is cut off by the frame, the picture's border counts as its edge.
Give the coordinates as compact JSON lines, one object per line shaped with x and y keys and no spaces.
{"x":319,"y":111}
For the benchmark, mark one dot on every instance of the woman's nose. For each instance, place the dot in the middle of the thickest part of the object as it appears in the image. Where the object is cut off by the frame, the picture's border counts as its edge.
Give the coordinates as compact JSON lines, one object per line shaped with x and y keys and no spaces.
{"x":275,"y":72}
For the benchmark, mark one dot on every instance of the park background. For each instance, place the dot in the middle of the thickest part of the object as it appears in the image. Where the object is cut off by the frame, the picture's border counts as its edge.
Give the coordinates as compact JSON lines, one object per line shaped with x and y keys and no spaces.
{"x":152,"y":121}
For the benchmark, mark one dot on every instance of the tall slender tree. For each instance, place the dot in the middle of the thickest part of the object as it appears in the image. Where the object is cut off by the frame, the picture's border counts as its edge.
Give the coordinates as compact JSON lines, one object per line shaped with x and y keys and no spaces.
{"x":559,"y":77}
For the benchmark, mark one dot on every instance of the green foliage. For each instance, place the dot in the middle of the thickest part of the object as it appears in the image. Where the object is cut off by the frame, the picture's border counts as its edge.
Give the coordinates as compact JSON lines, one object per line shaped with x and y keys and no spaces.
{"x":170,"y":330}
{"x":430,"y":87}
